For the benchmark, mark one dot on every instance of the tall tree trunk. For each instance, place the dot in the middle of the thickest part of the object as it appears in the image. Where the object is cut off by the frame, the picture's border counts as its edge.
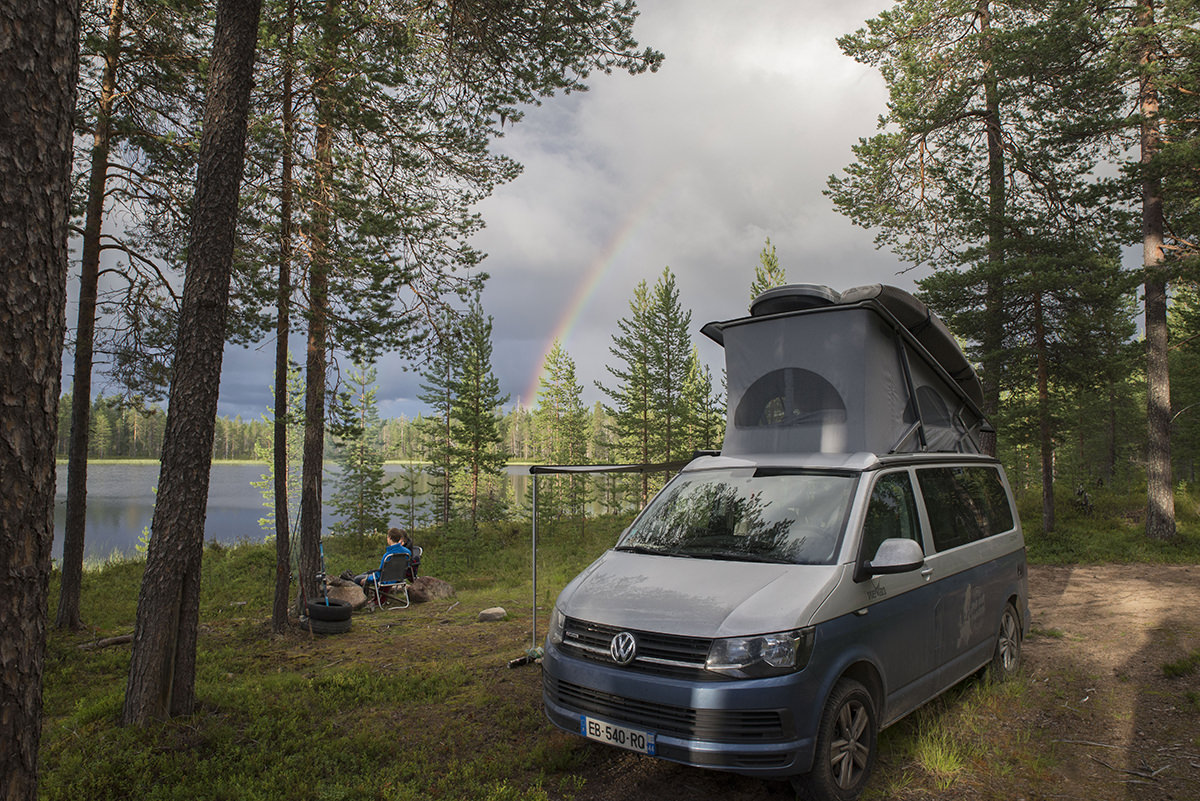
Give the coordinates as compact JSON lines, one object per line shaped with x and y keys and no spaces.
{"x":162,"y":665}
{"x":85,"y":333}
{"x":318,"y":310}
{"x":283,"y":555}
{"x":1160,"y":498}
{"x":37,"y":92}
{"x":1045,"y":440}
{"x":993,"y":332}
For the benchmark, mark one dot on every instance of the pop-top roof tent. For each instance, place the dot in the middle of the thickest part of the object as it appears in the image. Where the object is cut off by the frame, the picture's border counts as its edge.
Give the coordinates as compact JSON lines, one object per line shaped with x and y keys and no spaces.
{"x":812,"y":370}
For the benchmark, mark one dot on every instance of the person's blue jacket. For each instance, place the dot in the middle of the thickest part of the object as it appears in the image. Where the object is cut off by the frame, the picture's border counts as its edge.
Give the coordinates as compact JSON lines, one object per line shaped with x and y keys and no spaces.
{"x":391,"y":549}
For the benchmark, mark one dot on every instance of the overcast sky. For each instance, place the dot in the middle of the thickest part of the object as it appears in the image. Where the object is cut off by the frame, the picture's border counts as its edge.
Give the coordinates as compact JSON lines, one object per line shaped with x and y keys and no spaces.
{"x":692,"y":167}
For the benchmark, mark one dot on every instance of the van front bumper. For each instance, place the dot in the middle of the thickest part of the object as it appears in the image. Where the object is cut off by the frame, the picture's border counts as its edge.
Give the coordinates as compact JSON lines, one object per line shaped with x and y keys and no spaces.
{"x":745,"y":726}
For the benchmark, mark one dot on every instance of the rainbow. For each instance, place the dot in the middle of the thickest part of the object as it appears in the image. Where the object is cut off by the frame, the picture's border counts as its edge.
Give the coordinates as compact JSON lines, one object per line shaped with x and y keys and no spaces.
{"x":630,"y":225}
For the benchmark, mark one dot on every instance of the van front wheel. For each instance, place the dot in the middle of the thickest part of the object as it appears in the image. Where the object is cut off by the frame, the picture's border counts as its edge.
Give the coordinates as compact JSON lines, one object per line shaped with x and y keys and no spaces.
{"x":845,"y":745}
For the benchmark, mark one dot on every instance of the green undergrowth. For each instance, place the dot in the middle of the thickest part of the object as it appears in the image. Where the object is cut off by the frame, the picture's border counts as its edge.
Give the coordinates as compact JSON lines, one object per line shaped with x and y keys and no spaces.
{"x":410,"y":704}
{"x":1111,"y":530}
{"x":967,"y":735}
{"x":421,"y":703}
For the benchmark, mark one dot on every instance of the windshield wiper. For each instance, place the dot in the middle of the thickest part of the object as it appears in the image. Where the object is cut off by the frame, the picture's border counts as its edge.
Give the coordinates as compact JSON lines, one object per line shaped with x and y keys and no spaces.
{"x":653,"y":551}
{"x":737,"y":556}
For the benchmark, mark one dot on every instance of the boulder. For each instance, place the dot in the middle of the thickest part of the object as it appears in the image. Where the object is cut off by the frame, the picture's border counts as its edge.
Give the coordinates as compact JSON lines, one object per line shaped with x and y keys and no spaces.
{"x":493,"y":614}
{"x":428,"y":588}
{"x":347,"y":591}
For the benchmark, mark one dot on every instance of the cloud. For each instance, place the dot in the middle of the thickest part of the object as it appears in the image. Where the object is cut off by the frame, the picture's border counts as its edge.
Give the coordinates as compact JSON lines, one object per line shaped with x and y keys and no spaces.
{"x":692,"y":167}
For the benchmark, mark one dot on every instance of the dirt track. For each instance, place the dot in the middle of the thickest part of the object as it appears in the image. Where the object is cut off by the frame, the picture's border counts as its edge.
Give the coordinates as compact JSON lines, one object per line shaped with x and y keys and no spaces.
{"x":1118,"y":726}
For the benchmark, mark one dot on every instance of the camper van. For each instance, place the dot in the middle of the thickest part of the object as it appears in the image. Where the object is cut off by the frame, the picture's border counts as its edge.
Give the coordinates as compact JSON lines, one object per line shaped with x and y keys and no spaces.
{"x":849,"y":555}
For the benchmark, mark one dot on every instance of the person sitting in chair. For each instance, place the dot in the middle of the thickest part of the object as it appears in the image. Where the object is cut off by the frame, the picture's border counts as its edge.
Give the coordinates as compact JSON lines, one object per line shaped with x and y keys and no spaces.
{"x":395,"y":538}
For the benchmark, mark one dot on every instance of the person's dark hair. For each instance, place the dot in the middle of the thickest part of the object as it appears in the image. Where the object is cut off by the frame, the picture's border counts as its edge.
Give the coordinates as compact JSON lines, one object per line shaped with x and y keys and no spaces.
{"x":395,"y":535}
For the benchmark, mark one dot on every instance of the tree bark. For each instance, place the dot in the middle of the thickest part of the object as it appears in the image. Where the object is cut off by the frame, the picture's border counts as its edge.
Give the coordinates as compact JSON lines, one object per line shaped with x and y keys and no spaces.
{"x":318,"y":310}
{"x":1160,"y":497}
{"x":283,"y":556}
{"x":37,"y":91}
{"x":162,"y":664}
{"x":1045,"y":438}
{"x":85,"y":334}
{"x":993,"y":332}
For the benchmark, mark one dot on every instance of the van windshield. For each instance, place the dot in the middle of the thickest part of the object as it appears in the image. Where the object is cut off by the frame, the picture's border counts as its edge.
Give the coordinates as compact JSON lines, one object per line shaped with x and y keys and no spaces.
{"x":746,"y":514}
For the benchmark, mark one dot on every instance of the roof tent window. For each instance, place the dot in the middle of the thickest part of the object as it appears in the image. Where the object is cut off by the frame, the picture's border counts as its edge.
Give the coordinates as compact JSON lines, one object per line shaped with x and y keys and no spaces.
{"x":787,"y":397}
{"x":933,"y":409}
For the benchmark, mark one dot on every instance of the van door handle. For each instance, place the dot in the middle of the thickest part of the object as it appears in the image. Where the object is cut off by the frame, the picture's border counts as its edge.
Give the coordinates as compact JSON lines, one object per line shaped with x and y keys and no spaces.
{"x":926,"y":573}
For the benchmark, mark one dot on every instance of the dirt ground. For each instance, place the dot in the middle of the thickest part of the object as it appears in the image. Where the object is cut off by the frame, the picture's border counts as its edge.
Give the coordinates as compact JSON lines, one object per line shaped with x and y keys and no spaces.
{"x":1098,"y":719}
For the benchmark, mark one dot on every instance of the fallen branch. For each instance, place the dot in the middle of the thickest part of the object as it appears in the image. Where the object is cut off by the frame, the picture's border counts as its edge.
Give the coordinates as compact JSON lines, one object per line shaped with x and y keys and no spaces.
{"x":1089,"y":742}
{"x":1131,"y":772}
{"x":107,"y":641}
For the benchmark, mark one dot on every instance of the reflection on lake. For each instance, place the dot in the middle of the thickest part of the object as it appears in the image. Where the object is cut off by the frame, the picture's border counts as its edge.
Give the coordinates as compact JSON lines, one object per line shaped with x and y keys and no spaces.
{"x":120,"y":504}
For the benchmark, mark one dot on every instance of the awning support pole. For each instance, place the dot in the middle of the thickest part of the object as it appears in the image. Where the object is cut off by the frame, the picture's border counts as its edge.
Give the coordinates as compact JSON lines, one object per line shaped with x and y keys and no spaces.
{"x":533,"y":644}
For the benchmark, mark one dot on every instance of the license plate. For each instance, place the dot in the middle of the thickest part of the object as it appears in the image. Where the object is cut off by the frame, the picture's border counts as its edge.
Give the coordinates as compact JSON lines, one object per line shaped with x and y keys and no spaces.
{"x":620,"y":736}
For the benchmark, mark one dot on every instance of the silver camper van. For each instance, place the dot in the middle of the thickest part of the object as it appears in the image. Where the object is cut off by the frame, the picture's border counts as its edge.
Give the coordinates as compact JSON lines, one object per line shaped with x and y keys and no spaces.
{"x":847,"y":557}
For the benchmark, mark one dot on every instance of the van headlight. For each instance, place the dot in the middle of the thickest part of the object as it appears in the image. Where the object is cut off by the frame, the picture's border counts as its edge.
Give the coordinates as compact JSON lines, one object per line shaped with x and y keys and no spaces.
{"x":761,"y":655}
{"x":557,"y":623}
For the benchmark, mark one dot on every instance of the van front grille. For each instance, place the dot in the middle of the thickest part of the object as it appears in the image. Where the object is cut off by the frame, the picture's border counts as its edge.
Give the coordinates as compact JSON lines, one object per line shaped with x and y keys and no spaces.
{"x":661,"y":654}
{"x":719,"y":725}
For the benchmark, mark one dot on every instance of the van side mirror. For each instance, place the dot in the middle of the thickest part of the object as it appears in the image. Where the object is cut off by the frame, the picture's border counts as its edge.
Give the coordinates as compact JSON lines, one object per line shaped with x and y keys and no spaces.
{"x":894,"y":556}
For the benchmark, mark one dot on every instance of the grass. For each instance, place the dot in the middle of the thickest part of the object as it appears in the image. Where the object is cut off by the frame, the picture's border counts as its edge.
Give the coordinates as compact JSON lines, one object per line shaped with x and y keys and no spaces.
{"x":420,"y":703}
{"x":1185,"y":666}
{"x":1114,"y":532}
{"x":356,"y":716}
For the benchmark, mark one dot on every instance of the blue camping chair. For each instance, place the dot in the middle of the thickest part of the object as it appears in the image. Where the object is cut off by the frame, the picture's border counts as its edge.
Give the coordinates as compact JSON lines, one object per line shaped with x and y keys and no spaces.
{"x":390,"y":580}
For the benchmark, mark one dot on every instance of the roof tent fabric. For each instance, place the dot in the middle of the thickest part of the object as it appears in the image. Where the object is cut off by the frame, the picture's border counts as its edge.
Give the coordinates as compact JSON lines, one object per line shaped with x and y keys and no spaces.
{"x":869,"y":369}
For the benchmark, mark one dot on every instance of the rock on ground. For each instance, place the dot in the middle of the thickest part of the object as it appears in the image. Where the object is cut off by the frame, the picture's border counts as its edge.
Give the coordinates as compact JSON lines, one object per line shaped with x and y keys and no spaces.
{"x":428,"y":588}
{"x":347,"y":591}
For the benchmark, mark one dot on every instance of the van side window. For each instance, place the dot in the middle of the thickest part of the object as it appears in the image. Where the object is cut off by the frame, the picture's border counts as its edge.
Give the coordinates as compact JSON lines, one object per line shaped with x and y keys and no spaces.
{"x":892,"y":513}
{"x":964,"y":504}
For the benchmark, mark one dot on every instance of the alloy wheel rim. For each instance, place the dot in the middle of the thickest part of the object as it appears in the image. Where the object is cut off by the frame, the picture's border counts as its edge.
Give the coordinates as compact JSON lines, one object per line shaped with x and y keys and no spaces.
{"x":1008,"y":642}
{"x":850,"y":750}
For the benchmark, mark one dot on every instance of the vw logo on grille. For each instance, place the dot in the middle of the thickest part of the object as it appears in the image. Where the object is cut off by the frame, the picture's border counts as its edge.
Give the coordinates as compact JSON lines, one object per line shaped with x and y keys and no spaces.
{"x":623,"y":648}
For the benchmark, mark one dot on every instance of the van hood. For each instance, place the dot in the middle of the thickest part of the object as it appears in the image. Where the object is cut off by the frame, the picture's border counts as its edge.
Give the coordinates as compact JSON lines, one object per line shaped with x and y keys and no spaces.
{"x":697,"y":597}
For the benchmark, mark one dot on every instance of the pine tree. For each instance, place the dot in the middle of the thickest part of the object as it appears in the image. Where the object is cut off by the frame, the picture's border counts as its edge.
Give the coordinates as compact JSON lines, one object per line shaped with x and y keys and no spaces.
{"x":474,"y":413}
{"x":265,"y":451}
{"x":438,"y":379}
{"x":560,"y":435}
{"x":705,"y":407}
{"x":671,"y":354}
{"x":362,"y":495}
{"x":632,"y":409}
{"x":162,"y":668}
{"x":767,"y":273}
{"x":37,"y":91}
{"x":980,"y":152}
{"x":652,"y":352}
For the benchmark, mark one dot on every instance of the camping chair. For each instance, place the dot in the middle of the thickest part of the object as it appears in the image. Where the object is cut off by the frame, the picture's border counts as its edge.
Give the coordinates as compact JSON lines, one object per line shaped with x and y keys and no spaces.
{"x":391,"y":579}
{"x":414,"y":563}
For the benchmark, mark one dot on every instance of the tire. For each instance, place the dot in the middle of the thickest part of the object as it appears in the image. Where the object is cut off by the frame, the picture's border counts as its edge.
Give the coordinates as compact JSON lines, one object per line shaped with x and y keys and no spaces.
{"x":326,"y":626}
{"x":846,"y":745}
{"x":333,"y":609}
{"x":1006,"y":659}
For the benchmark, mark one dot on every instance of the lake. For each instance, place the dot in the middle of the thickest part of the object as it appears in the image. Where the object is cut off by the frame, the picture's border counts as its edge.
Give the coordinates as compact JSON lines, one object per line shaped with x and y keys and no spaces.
{"x":120,"y":504}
